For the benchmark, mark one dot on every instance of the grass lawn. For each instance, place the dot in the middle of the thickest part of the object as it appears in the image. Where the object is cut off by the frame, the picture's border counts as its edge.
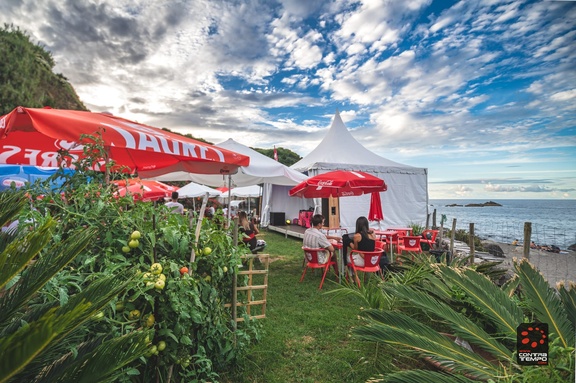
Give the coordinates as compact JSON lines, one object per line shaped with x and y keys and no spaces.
{"x":306,"y":331}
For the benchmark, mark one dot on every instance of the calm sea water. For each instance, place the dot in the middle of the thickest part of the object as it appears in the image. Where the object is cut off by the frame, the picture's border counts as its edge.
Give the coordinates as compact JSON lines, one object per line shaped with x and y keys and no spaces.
{"x":553,"y":221}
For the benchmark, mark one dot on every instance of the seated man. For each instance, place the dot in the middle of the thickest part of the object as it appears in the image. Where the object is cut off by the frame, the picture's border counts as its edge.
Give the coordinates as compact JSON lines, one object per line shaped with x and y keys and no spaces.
{"x":315,"y":239}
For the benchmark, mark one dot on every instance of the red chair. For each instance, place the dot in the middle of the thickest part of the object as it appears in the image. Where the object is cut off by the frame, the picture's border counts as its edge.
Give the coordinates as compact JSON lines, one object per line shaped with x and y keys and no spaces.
{"x":311,"y":261}
{"x":371,"y":263}
{"x":429,"y":237}
{"x":410,"y":243}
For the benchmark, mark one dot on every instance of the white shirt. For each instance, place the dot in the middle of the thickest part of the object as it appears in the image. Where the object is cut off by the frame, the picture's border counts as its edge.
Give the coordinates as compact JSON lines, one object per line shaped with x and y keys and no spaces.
{"x":177,"y":207}
{"x":315,"y":239}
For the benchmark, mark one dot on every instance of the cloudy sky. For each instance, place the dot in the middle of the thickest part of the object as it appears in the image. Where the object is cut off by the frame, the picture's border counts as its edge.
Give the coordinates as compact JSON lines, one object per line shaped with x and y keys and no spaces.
{"x":480,"y":92}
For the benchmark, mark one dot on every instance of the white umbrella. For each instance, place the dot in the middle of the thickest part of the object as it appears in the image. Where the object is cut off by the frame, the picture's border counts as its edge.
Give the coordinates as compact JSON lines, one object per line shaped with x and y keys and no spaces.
{"x":193,"y":189}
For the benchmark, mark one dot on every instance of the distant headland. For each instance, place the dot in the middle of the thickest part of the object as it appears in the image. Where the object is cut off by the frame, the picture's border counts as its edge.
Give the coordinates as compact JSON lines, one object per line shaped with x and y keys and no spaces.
{"x":489,"y":203}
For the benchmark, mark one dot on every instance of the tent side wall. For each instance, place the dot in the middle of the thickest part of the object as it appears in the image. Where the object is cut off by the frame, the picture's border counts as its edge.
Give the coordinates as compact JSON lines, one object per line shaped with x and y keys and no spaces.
{"x":404,"y":203}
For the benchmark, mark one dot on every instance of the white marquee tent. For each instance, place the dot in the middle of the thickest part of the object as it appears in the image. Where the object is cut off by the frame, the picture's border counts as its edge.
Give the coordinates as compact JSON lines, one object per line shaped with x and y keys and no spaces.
{"x":405,"y":202}
{"x":261,"y":170}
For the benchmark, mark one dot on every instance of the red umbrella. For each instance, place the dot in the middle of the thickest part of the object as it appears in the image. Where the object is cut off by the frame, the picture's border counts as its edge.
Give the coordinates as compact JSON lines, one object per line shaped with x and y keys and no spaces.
{"x":145,"y":190}
{"x":375,"y":212}
{"x":31,"y":136}
{"x":338,"y":183}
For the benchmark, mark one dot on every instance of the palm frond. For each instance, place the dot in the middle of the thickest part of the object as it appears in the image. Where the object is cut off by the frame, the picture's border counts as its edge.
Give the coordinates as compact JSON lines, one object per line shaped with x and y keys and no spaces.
{"x":424,"y":376}
{"x":399,"y":330}
{"x":11,"y":203}
{"x":21,"y":250}
{"x":39,"y":273}
{"x":370,"y":293}
{"x":568,"y":296}
{"x":19,"y":348}
{"x":490,"y":300}
{"x":97,"y":361}
{"x":98,"y":294}
{"x":545,"y":302}
{"x":460,"y":324}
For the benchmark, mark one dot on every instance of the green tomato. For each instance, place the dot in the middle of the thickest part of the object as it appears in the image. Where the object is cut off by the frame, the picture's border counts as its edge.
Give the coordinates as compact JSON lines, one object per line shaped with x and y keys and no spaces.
{"x":134,"y":314}
{"x":125,"y":249}
{"x":156,"y":268}
{"x":135,"y":235}
{"x":161,"y":345}
{"x":159,"y":284}
{"x":150,"y":320}
{"x":225,"y":269}
{"x":207,"y":251}
{"x":133,"y":243}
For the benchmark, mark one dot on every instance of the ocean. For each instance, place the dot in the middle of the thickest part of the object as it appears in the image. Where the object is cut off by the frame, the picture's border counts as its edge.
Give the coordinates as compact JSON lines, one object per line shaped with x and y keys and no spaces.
{"x":553,"y":221}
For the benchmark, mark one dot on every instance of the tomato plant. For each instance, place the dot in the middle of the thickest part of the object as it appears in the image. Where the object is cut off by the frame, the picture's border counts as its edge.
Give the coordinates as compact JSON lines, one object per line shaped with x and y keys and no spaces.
{"x":182,"y":305}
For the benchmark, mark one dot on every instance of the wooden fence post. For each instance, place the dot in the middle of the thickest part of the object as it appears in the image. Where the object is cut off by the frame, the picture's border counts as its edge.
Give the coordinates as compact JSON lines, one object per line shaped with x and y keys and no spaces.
{"x":471,"y":240}
{"x":434,"y":219}
{"x":527,"y":239}
{"x":452,"y":235}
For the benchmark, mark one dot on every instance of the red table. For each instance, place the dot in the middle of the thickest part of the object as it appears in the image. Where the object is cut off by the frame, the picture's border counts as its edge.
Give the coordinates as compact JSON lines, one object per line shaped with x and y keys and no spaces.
{"x":407,"y":230}
{"x":390,"y":234}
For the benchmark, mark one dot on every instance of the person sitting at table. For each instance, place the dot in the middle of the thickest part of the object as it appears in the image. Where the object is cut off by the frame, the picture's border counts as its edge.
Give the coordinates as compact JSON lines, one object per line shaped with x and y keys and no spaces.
{"x":249,"y":230}
{"x":363,"y":240}
{"x":316,"y":239}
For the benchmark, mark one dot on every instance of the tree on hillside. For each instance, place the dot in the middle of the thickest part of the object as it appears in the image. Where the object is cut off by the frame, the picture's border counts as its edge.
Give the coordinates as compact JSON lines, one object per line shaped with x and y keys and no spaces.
{"x":26,"y":76}
{"x":285,"y":156}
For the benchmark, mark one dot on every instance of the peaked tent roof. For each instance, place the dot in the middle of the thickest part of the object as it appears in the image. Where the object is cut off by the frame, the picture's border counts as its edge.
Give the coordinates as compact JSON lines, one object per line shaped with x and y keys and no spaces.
{"x":262,"y":169}
{"x":193,"y":189}
{"x":340,"y":147}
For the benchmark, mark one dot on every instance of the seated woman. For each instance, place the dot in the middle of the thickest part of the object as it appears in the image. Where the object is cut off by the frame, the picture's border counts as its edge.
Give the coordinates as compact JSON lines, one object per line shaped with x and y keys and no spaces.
{"x":363,"y":240}
{"x":249,"y":230}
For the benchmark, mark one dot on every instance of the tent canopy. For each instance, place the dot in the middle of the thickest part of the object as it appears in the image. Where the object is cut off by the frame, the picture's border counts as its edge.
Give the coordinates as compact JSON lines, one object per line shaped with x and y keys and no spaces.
{"x":261,"y":170}
{"x":405,"y":201}
{"x":192,"y":190}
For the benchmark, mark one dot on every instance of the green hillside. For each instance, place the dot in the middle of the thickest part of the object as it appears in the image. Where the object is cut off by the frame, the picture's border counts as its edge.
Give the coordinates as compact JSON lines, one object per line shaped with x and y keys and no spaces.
{"x":27,"y":77}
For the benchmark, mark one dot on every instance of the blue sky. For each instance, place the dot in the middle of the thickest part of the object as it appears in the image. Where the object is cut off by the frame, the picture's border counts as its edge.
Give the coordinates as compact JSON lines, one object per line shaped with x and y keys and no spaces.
{"x":482,"y":93}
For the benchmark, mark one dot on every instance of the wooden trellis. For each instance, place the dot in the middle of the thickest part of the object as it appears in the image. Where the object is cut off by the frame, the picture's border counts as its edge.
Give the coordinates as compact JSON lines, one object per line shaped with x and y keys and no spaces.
{"x":255,"y":290}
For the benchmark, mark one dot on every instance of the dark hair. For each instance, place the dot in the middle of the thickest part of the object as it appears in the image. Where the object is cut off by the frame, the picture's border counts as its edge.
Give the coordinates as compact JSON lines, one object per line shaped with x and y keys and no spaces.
{"x":362,"y":225}
{"x":317,"y":219}
{"x":174,"y":195}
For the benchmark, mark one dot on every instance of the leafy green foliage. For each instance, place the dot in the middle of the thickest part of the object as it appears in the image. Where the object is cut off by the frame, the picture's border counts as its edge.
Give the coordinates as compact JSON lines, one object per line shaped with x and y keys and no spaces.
{"x":26,"y":77}
{"x":285,"y":156}
{"x":480,"y":315}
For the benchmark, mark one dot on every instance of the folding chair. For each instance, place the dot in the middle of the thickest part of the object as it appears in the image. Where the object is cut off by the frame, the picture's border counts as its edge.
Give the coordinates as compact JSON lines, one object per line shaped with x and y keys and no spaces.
{"x":311,"y":261}
{"x":371,"y":263}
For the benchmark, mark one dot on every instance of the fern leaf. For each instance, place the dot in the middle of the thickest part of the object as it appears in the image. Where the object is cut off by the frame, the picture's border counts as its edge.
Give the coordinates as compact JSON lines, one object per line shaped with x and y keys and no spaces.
{"x":491,"y":300}
{"x":568,"y":296}
{"x":424,"y":376}
{"x":545,"y":302}
{"x":399,"y":330}
{"x":460,"y":324}
{"x":38,"y":274}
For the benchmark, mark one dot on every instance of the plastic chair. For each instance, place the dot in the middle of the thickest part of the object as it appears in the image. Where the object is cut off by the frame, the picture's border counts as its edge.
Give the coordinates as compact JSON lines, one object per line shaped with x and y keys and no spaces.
{"x":429,"y":237}
{"x":311,"y":261}
{"x":371,"y":263}
{"x":410,"y":243}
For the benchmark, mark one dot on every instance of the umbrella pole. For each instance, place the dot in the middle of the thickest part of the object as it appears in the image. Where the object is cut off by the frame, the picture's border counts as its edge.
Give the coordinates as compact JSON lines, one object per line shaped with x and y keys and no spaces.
{"x":198,"y":227}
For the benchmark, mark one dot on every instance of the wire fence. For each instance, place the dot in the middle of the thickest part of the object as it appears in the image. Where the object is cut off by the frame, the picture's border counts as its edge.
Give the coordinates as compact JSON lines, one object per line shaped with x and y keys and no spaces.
{"x":506,"y":232}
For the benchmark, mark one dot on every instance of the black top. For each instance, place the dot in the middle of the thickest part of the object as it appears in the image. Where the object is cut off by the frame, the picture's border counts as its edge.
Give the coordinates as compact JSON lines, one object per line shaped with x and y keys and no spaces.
{"x":366,"y":244}
{"x":252,"y":242}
